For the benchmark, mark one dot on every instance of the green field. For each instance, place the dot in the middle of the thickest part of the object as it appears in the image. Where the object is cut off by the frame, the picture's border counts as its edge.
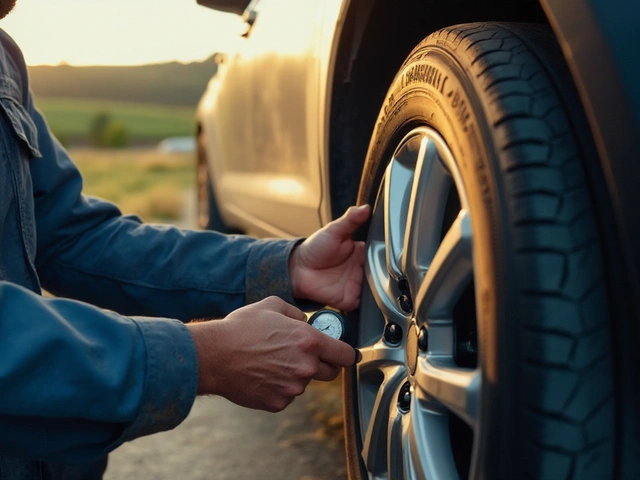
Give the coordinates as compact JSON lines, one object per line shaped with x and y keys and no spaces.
{"x":69,"y":119}
{"x":147,"y":183}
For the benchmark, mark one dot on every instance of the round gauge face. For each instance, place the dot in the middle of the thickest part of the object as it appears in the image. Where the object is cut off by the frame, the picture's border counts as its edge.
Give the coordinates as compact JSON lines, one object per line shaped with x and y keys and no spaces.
{"x":329,"y":323}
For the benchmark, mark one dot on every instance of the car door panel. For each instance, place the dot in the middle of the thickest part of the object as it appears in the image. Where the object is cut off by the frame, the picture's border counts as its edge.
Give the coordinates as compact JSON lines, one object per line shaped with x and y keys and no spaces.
{"x":277,"y":165}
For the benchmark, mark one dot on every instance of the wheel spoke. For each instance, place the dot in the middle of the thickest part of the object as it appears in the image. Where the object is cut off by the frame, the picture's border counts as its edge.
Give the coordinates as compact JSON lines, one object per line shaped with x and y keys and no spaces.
{"x":449,"y":273}
{"x":375,"y":440}
{"x":429,"y":446}
{"x":380,"y":357}
{"x":441,"y":339}
{"x":416,"y":451}
{"x":380,"y":281}
{"x":381,"y":284}
{"x":397,"y":192}
{"x":456,"y":388}
{"x":429,"y":194}
{"x":398,"y":427}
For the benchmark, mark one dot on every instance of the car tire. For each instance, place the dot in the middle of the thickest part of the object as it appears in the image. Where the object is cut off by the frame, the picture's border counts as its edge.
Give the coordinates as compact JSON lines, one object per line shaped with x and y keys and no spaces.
{"x":484,"y":324}
{"x":207,"y":211}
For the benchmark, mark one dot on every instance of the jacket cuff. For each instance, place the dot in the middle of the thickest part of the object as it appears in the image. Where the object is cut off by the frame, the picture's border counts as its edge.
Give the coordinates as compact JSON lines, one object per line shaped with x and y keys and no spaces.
{"x":268,"y":270}
{"x":171,"y":379}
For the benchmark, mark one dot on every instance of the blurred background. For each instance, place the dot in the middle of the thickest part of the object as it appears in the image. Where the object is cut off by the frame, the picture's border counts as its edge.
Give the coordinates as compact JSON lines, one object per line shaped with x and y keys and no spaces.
{"x":119,"y":82}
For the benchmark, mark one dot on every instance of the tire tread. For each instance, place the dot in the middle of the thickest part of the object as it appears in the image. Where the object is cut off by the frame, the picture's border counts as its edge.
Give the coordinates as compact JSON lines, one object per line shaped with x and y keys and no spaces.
{"x":565,"y":401}
{"x":558,"y":250}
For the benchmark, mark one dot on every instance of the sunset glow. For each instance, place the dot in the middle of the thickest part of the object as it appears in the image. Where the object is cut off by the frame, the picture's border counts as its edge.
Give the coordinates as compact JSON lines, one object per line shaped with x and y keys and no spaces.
{"x":118,"y":32}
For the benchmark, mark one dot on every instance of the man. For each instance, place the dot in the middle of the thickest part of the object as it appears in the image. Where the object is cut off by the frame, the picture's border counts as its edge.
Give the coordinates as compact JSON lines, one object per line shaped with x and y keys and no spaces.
{"x":76,"y":381}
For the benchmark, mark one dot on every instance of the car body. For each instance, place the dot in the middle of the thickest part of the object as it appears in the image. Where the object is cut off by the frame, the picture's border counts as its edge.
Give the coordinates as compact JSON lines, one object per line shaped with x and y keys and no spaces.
{"x":286,"y":123}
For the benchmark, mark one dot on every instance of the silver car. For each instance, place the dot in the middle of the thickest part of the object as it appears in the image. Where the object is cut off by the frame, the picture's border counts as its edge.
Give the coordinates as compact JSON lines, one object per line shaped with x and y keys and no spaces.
{"x":497,"y":142}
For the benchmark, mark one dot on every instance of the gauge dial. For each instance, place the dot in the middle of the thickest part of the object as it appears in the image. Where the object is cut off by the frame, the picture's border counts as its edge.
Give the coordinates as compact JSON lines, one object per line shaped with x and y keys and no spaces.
{"x":330,"y":323}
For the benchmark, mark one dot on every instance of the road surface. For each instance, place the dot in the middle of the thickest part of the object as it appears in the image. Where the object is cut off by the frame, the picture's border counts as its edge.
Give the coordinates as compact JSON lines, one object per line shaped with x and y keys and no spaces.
{"x":221,"y":441}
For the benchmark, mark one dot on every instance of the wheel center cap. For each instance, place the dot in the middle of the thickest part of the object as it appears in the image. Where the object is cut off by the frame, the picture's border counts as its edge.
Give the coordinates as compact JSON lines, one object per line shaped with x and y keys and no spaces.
{"x":411,"y":353}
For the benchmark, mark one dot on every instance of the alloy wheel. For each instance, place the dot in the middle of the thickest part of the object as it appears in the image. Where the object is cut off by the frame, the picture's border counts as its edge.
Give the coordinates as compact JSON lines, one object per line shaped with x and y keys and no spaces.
{"x":419,"y":382}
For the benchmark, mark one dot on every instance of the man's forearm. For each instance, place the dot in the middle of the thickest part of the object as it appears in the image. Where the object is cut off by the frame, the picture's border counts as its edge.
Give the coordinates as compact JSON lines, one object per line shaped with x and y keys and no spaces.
{"x":77,"y":381}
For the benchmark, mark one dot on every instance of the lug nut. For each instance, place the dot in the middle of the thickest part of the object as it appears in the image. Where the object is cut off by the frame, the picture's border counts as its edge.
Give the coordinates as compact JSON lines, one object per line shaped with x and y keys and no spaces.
{"x":404,"y":398}
{"x":406,"y":304}
{"x":423,"y":339}
{"x":393,"y":333}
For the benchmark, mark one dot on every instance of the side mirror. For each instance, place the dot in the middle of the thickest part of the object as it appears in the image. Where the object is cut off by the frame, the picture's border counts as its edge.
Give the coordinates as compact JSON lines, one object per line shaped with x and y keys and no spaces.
{"x":231,"y":6}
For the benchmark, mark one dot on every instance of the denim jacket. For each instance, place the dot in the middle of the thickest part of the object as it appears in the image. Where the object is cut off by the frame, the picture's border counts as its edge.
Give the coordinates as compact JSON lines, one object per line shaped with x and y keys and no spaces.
{"x":77,"y":380}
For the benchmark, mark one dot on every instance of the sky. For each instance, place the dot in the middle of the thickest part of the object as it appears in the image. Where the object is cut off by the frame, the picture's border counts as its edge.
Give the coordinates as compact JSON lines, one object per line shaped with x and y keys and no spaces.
{"x":118,"y":32}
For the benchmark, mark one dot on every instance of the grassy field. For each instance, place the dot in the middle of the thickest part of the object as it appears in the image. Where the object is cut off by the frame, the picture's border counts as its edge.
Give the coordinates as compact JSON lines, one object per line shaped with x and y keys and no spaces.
{"x":170,"y":83}
{"x":69,"y":119}
{"x":150,"y":184}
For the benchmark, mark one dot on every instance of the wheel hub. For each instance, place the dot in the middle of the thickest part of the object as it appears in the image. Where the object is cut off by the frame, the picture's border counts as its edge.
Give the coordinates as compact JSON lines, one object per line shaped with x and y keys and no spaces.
{"x":411,"y":352}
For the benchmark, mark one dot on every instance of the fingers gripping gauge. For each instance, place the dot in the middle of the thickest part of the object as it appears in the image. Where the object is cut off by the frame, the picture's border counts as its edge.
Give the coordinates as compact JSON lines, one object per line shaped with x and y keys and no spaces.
{"x":330,"y":323}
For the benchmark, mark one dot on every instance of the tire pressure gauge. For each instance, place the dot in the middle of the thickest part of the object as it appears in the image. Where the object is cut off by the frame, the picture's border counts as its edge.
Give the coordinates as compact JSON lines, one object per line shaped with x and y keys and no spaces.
{"x":330,"y":323}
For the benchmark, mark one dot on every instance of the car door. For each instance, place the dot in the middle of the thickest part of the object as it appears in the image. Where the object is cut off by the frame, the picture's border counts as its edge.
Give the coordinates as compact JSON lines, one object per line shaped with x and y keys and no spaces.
{"x":273,"y":178}
{"x":227,"y":114}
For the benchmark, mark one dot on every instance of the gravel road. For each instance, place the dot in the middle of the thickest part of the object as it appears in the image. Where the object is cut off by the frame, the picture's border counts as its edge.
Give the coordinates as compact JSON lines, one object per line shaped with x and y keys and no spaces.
{"x":221,"y":441}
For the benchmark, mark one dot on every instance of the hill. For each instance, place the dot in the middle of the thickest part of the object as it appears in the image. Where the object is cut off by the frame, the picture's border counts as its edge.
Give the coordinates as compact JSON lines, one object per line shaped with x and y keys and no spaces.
{"x":174,"y":83}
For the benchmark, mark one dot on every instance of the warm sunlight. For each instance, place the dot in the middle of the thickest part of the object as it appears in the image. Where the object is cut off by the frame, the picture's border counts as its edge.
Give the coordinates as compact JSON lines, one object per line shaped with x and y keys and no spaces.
{"x":118,"y":32}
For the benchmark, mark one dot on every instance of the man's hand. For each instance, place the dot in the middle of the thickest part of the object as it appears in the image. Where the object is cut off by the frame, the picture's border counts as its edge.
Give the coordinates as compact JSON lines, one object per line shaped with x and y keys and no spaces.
{"x":327,"y":266}
{"x":263,"y":355}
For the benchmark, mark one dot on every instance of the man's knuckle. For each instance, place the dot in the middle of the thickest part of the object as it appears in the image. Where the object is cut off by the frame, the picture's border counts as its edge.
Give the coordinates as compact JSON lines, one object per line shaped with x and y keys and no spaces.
{"x":272,"y":408}
{"x":309,"y":344}
{"x":271,"y":300}
{"x":296,"y":389}
{"x":279,"y":404}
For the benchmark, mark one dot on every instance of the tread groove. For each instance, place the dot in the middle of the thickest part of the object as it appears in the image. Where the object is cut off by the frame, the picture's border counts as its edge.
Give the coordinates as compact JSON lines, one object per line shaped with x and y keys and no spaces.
{"x":553,"y":274}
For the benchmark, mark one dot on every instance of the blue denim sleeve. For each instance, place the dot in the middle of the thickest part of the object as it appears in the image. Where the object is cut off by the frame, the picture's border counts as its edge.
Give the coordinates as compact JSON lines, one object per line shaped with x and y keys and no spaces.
{"x":116,"y":378}
{"x":89,"y":251}
{"x":77,"y":381}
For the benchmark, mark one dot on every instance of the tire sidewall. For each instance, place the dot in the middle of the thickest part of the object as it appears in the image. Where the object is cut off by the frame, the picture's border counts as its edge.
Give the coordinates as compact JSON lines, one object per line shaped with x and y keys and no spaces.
{"x":433,"y":89}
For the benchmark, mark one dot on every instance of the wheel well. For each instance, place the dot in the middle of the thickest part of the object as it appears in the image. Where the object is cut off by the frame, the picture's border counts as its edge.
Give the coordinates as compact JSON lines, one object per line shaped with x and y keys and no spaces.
{"x":377,"y":37}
